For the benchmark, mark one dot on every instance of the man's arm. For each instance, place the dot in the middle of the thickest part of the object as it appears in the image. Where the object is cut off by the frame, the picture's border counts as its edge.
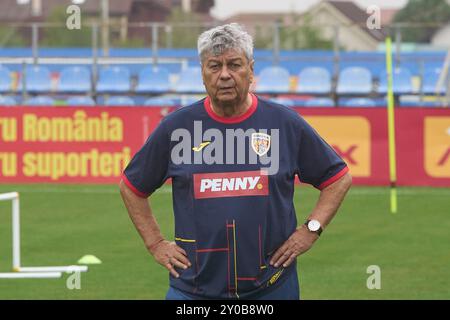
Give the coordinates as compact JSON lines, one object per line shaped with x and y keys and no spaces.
{"x":166,"y":253}
{"x":326,"y":207}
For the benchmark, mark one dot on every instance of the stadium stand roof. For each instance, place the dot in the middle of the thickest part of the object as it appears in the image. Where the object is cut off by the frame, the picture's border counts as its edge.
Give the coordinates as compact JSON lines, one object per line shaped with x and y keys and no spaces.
{"x":11,"y":11}
{"x":357,"y":16}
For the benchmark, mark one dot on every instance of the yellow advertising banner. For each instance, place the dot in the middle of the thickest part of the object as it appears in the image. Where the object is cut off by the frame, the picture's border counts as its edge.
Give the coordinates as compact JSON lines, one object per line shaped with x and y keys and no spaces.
{"x":437,"y":146}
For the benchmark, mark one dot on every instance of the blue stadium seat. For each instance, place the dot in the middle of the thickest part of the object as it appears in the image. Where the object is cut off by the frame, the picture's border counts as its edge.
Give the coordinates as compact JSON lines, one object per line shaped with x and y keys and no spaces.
{"x":354,"y":80}
{"x":153,"y":80}
{"x":314,"y":80}
{"x":430,"y":80}
{"x":7,"y":101}
{"x":5,"y":79}
{"x":188,"y":100}
{"x":319,"y":102}
{"x":114,"y":79}
{"x":37,"y":79}
{"x":75,"y":79}
{"x":118,"y":101}
{"x":40,"y":101}
{"x":273,"y":80}
{"x":160,"y":101}
{"x":417,"y":102}
{"x":190,"y":81}
{"x":402,"y":83}
{"x":357,"y":102}
{"x":78,"y":101}
{"x":284,"y":101}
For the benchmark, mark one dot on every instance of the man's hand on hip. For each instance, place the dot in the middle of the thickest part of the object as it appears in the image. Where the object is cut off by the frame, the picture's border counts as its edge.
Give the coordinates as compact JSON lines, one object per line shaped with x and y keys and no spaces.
{"x":299,"y":242}
{"x":169,"y":255}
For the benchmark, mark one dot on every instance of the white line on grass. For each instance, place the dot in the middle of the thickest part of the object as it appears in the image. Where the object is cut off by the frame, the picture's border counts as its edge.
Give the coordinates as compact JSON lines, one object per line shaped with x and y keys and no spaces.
{"x":168,"y":189}
{"x":40,"y":189}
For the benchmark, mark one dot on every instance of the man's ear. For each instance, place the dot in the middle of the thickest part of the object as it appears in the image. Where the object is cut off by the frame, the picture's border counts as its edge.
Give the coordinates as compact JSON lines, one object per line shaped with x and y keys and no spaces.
{"x":252,"y":74}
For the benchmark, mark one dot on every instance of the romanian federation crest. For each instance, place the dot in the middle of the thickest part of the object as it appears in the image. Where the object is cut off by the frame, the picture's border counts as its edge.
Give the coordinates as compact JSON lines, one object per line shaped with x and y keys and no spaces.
{"x":260,"y":143}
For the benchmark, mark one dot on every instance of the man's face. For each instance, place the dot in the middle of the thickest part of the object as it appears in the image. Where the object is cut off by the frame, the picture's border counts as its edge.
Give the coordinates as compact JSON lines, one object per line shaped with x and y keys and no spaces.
{"x":227,"y":77}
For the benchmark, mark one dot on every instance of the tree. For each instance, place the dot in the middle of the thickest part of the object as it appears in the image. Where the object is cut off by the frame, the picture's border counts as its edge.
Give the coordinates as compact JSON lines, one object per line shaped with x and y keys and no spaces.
{"x":11,"y":37}
{"x":303,"y":35}
{"x":184,"y":35}
{"x":262,"y":39}
{"x":60,"y":36}
{"x":431,"y":12}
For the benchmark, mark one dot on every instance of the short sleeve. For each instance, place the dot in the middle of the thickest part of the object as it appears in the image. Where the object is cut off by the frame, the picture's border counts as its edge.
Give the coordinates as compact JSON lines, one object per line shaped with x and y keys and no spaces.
{"x":318,"y":164}
{"x":147,"y":170}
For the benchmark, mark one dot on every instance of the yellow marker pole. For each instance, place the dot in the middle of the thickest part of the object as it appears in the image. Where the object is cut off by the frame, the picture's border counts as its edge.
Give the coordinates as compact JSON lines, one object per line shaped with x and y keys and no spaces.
{"x":391,"y":128}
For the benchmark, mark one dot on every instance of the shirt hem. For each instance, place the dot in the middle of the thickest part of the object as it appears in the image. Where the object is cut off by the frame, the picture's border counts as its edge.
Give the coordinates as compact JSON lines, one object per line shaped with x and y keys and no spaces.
{"x":133,"y":188}
{"x":333,"y":179}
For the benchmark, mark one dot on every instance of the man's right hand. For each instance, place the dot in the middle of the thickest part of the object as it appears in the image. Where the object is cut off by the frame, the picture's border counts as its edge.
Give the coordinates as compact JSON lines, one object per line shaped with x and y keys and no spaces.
{"x":169,"y":255}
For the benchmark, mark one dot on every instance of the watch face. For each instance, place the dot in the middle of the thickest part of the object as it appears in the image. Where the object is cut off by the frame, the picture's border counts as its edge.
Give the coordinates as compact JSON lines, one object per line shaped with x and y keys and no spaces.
{"x":314,"y":225}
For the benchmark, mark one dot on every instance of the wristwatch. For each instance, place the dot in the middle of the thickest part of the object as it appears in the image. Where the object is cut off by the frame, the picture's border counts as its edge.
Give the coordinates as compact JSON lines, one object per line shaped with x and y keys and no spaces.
{"x":314,"y":226}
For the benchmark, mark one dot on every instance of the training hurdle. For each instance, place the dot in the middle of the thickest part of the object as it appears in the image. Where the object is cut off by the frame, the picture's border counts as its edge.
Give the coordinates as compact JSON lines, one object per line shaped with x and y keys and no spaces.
{"x":20,"y":272}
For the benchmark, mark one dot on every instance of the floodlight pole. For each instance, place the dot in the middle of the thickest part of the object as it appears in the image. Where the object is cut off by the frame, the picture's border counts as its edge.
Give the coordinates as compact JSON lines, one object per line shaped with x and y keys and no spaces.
{"x":94,"y":56}
{"x":276,"y":43}
{"x":105,"y":27}
{"x":35,"y":42}
{"x":154,"y":27}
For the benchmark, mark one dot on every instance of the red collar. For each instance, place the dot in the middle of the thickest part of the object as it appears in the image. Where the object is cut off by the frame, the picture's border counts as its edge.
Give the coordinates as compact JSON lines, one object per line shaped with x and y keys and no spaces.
{"x":237,"y":119}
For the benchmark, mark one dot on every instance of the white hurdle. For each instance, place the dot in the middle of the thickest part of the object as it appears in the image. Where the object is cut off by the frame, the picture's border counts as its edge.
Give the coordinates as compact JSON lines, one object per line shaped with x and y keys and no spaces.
{"x":20,"y":272}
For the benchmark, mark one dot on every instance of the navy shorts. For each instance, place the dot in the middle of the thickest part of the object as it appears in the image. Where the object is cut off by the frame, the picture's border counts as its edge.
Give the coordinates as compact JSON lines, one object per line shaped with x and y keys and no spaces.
{"x":288,"y":290}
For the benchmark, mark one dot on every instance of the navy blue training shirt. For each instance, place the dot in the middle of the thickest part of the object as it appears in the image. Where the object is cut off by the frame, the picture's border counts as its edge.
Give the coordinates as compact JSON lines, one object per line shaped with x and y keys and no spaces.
{"x":233,"y":203}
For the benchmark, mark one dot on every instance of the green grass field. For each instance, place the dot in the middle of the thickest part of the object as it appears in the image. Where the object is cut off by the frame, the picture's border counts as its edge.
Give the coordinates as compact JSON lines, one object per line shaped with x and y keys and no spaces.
{"x":61,"y":223}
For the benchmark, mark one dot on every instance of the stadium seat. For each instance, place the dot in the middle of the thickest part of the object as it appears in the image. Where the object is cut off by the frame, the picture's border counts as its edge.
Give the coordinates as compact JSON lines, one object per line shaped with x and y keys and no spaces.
{"x":153,"y":80}
{"x":273,"y":80}
{"x":7,"y":101}
{"x":119,"y":101}
{"x":40,"y":101}
{"x":190,"y":80}
{"x":114,"y":79}
{"x":314,"y":80}
{"x":75,"y":79}
{"x":319,"y":102}
{"x":160,"y":101}
{"x":354,"y":80}
{"x":402,"y":82}
{"x":430,"y":79}
{"x":5,"y":79}
{"x":80,"y":101}
{"x":284,"y":101}
{"x":357,"y":102}
{"x":37,"y":79}
{"x":417,"y":102}
{"x":188,"y":100}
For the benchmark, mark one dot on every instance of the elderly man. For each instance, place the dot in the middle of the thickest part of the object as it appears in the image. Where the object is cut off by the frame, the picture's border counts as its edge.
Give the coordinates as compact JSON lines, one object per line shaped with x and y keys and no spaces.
{"x":233,"y":158}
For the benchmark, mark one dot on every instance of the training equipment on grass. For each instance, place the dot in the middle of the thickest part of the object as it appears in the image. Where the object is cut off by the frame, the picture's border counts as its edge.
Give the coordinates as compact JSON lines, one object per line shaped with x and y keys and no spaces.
{"x":29,"y":272}
{"x":391,"y":127}
{"x":89,"y":259}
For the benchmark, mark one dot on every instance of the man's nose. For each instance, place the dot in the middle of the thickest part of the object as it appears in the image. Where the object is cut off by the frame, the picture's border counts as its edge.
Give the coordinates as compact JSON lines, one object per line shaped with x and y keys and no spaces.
{"x":224,"y":73}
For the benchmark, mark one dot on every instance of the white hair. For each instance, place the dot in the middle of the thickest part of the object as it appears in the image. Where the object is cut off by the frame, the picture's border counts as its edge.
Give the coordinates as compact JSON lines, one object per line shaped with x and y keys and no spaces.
{"x":219,"y":39}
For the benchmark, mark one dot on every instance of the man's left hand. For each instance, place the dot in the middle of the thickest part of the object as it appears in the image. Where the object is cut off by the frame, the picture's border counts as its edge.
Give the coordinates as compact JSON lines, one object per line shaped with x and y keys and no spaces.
{"x":299,"y":242}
